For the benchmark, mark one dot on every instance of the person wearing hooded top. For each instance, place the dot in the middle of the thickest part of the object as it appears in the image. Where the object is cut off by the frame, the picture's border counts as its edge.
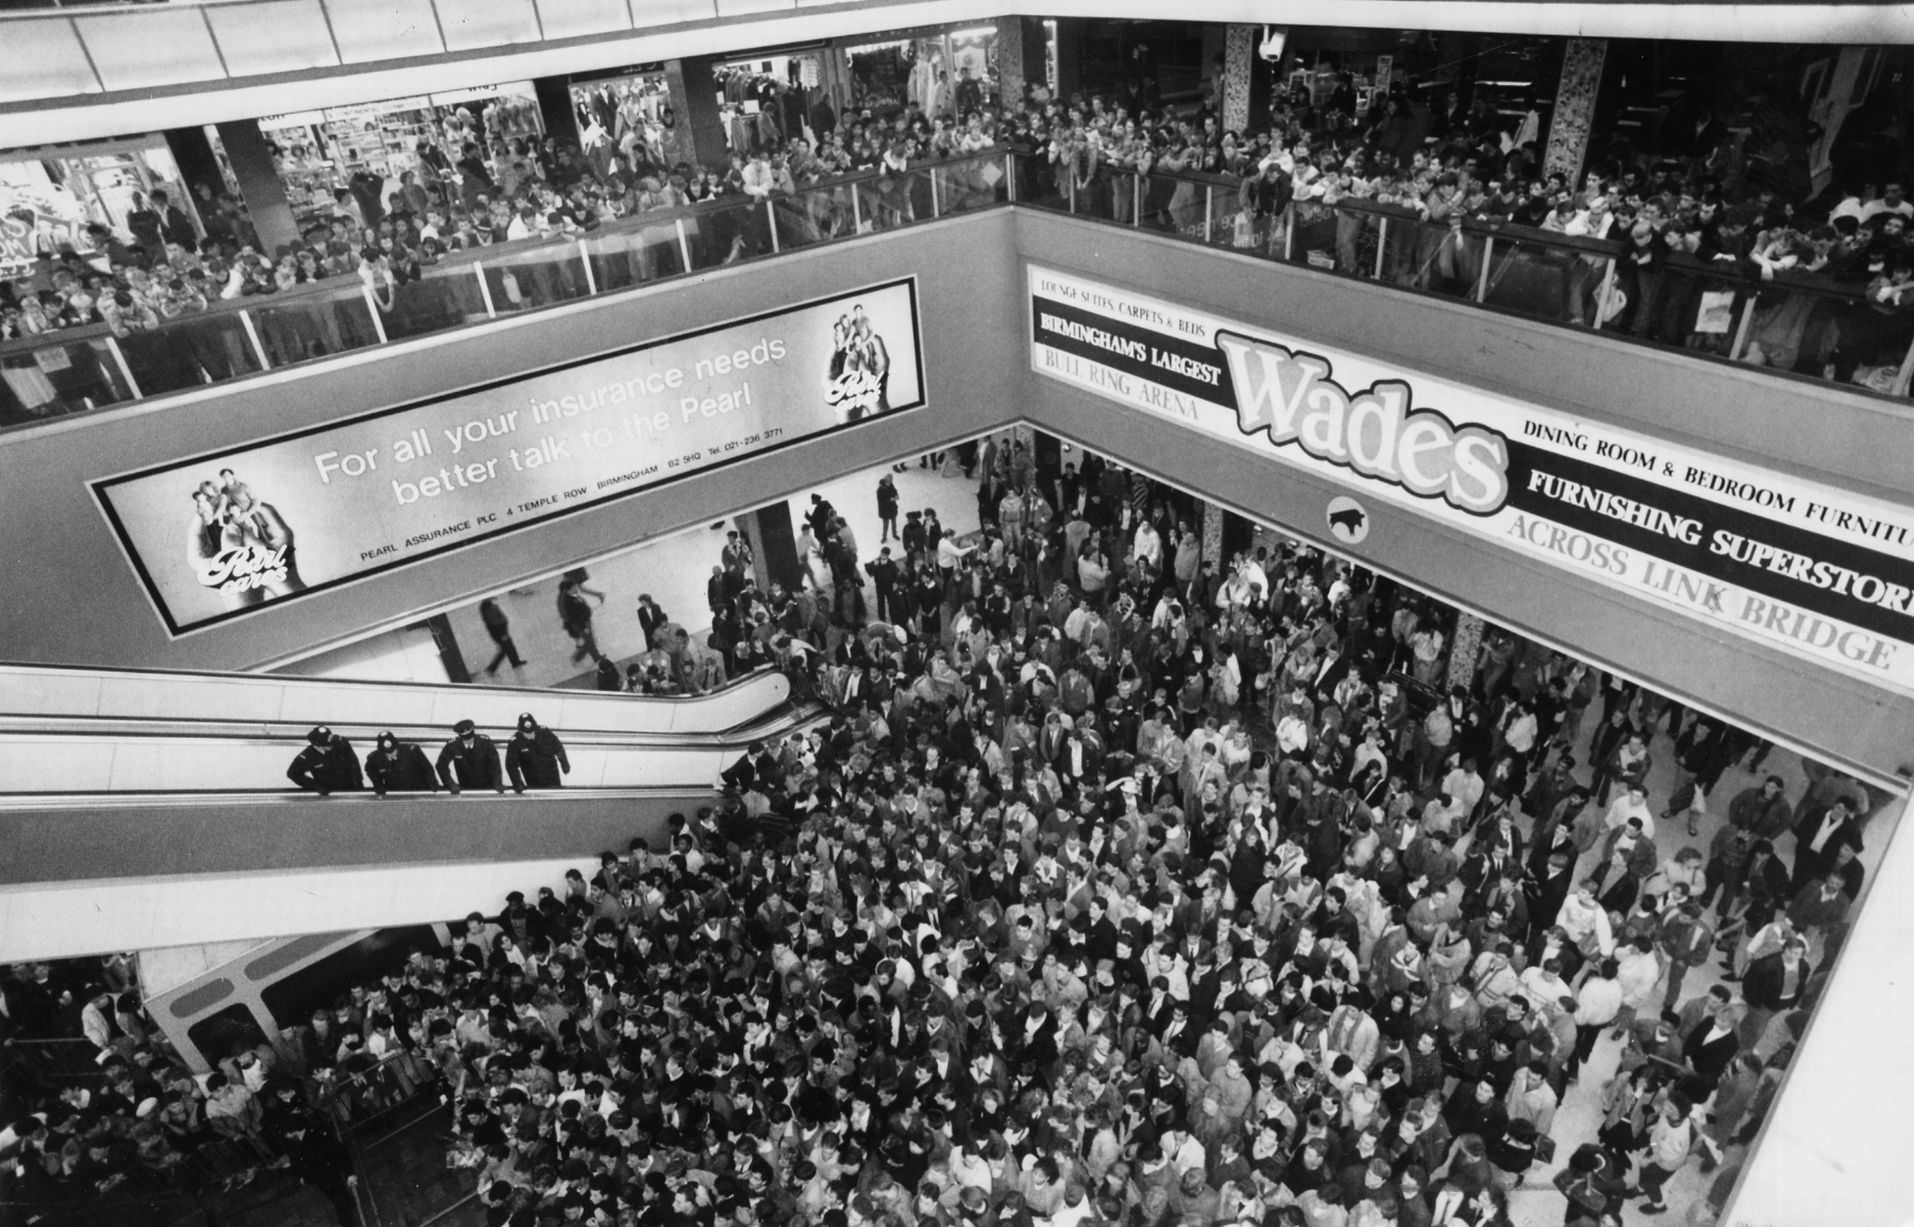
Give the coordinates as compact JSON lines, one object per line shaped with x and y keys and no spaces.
{"x":469,"y":760}
{"x":536,"y":757}
{"x":327,"y":764}
{"x":399,"y":766}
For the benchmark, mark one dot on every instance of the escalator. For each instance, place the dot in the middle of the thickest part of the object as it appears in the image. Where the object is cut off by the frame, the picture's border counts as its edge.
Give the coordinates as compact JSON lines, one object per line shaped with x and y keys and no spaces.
{"x":143,"y":809}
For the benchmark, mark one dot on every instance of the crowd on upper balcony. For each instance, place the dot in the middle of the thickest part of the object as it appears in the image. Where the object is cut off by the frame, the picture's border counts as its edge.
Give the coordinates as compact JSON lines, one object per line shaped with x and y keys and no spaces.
{"x":517,"y":189}
{"x":1700,"y":190}
{"x":1740,"y":208}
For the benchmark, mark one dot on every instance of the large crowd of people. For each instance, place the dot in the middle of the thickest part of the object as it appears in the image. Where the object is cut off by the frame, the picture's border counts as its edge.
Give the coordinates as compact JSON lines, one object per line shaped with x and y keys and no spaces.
{"x":1117,"y":887}
{"x":1698,"y":190}
{"x":1741,"y":209}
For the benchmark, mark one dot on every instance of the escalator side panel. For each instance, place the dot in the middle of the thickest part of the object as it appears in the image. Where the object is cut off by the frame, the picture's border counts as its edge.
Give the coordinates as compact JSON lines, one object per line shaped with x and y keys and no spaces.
{"x":219,"y":835}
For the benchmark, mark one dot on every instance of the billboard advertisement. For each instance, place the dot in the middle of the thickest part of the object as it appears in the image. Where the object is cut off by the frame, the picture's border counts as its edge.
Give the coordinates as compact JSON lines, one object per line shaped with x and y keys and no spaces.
{"x":233,"y":532}
{"x":1805,"y":568}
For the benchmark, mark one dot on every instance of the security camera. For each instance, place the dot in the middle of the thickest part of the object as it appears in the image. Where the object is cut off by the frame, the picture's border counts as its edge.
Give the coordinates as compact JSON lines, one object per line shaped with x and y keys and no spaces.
{"x":1274,"y":39}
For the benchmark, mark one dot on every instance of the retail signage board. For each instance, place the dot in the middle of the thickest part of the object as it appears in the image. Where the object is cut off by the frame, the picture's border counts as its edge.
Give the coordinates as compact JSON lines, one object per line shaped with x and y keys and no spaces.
{"x":1805,"y":568}
{"x":232,"y":533}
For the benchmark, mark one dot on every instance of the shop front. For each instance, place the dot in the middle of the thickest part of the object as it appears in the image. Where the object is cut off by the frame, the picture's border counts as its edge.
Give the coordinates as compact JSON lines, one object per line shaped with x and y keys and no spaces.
{"x":48,"y":199}
{"x":768,"y":98}
{"x":940,"y":71}
{"x":366,"y":149}
{"x":627,"y":112}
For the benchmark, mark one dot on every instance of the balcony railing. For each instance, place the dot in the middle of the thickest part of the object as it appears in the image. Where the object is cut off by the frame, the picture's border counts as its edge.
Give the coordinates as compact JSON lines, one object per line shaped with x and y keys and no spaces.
{"x":93,"y":368}
{"x":1795,"y":323}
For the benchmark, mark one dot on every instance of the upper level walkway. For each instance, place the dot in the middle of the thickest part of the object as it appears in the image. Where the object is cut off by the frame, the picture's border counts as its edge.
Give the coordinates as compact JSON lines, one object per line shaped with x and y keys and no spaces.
{"x":1792,"y":324}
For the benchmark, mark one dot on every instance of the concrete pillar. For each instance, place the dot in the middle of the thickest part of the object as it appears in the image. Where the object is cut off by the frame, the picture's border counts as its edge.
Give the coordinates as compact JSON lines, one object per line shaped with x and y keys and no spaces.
{"x":1574,"y":116}
{"x":1465,"y":647}
{"x":446,"y":640}
{"x":1213,"y":536}
{"x":1069,"y":57}
{"x":193,"y":154}
{"x":259,"y":186}
{"x":1010,"y":59}
{"x":698,"y":136}
{"x":774,"y":546}
{"x":1239,"y":72}
{"x":555,"y":109}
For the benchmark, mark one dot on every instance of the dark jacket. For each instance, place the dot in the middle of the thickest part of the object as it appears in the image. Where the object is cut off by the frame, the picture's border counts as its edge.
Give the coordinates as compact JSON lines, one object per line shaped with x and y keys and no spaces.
{"x":1762,"y":987}
{"x":536,"y":760}
{"x":401,"y":767}
{"x":475,"y":766}
{"x":332,"y":767}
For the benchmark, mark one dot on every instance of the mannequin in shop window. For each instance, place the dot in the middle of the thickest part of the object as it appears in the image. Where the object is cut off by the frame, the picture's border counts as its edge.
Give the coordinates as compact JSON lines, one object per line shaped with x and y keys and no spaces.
{"x":823,"y":115}
{"x":143,"y":223}
{"x":515,"y":168}
{"x":368,"y":190}
{"x":970,"y":92}
{"x":475,"y":179}
{"x":434,"y":169}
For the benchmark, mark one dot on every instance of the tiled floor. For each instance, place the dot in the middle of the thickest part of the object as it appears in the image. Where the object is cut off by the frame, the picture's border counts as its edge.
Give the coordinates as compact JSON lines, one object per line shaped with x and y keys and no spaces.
{"x":673,"y":569}
{"x":1580,"y":1114}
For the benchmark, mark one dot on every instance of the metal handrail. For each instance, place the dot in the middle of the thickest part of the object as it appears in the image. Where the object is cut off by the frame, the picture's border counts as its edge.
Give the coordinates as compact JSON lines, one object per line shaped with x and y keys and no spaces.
{"x":577,"y":250}
{"x":1721,"y":275}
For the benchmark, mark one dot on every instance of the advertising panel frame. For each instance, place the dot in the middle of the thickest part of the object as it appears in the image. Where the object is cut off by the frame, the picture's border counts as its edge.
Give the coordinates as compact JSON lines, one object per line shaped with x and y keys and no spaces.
{"x":116,"y":515}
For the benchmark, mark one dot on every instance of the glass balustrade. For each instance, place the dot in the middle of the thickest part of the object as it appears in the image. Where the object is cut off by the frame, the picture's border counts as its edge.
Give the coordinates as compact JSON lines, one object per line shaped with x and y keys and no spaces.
{"x":315,"y":322}
{"x":1797,"y":323}
{"x":47,"y":377}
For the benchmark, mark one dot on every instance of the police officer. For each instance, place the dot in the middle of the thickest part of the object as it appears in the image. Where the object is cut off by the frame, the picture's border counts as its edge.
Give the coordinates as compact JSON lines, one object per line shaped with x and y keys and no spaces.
{"x":536,"y":757}
{"x":313,"y":1155}
{"x":470,"y":760}
{"x":399,"y":766}
{"x":327,"y":764}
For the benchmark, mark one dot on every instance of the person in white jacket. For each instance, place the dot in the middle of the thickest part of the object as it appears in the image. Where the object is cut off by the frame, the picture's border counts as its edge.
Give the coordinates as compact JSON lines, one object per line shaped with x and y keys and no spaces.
{"x":1638,"y":970}
{"x":1586,"y":921}
{"x":1670,"y":1141}
{"x":1596,"y":1005}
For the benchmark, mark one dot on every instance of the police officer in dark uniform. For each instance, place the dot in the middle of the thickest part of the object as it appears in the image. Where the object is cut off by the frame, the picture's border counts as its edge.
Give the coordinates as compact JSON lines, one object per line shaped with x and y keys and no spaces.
{"x":327,"y":764}
{"x":314,"y":1155}
{"x":470,"y":760}
{"x":399,"y":766}
{"x":536,"y":757}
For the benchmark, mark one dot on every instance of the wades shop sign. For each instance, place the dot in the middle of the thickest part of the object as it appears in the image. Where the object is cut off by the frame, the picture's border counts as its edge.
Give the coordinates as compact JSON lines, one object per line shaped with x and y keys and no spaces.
{"x":1805,"y":568}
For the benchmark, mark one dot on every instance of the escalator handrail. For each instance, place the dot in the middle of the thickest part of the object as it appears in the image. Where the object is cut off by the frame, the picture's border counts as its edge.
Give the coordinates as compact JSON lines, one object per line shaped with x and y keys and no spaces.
{"x":790,"y":718}
{"x":15,"y":802}
{"x":238,"y":675}
{"x":293,"y":733}
{"x":664,"y":711}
